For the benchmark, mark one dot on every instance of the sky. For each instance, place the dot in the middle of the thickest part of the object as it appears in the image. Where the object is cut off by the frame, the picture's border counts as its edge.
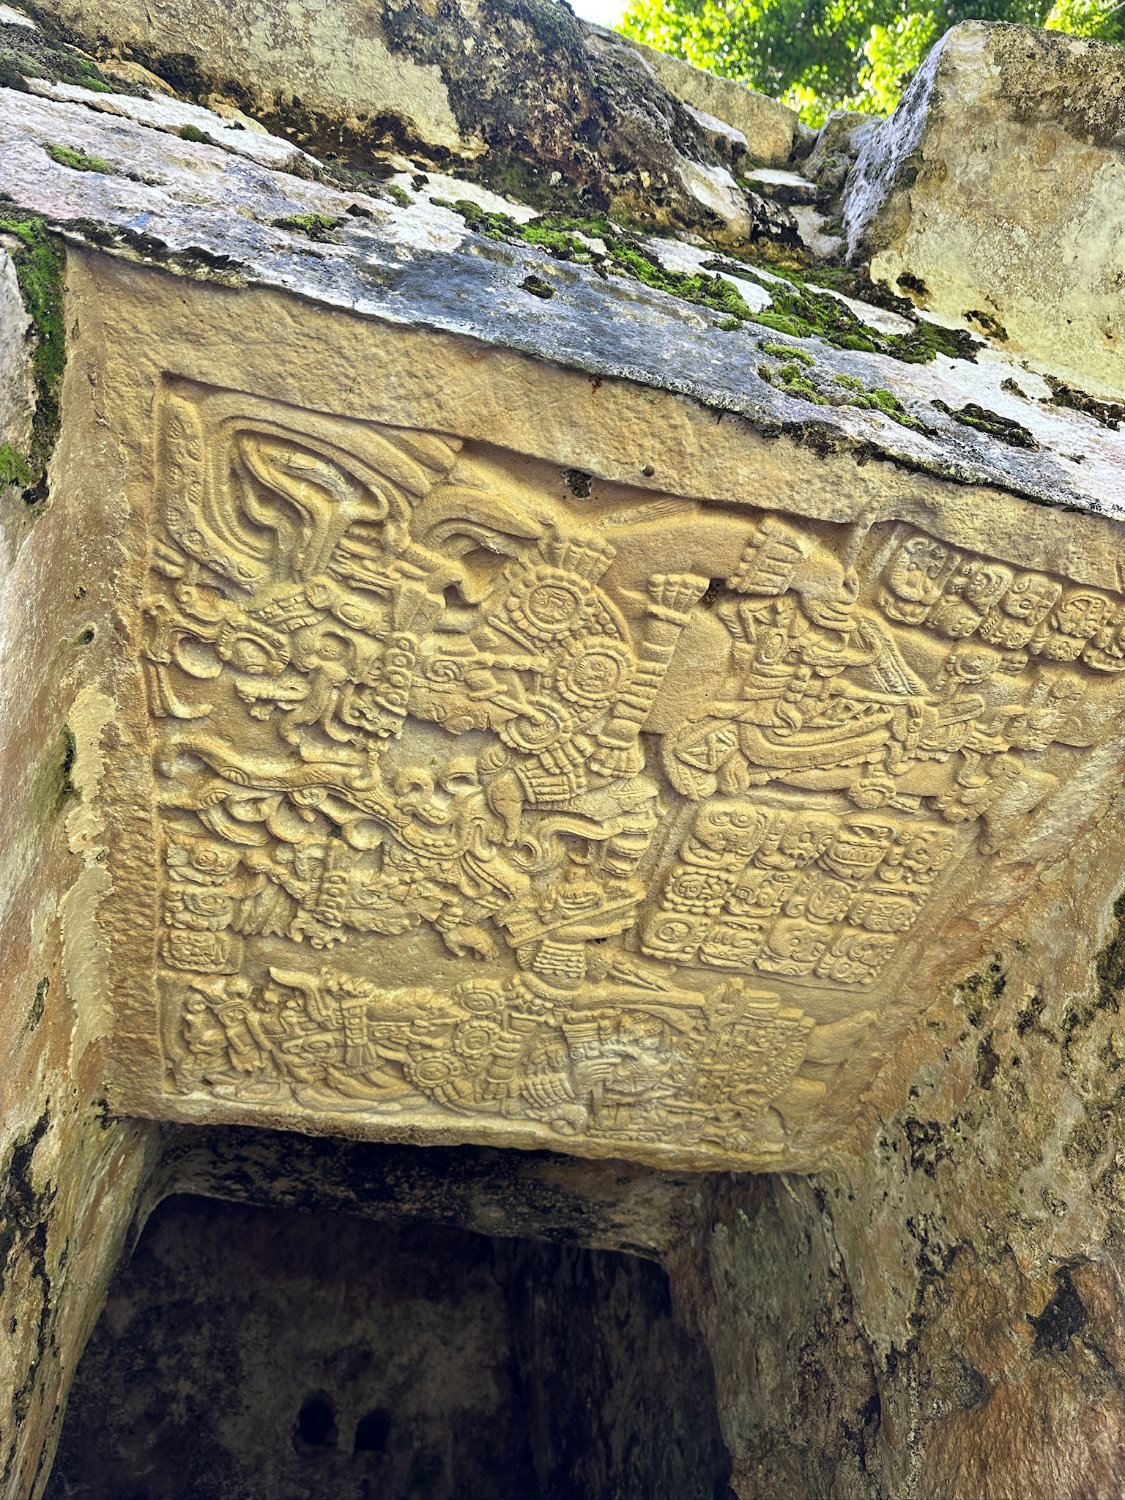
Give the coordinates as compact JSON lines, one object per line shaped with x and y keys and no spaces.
{"x":602,"y":12}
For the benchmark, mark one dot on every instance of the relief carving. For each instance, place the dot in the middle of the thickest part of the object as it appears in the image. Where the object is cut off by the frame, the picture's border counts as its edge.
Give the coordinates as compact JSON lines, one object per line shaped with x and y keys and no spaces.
{"x":588,"y":820}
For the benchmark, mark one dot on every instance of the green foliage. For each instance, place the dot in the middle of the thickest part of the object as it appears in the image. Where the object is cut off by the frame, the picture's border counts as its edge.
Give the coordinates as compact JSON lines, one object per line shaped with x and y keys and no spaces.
{"x":821,"y":55}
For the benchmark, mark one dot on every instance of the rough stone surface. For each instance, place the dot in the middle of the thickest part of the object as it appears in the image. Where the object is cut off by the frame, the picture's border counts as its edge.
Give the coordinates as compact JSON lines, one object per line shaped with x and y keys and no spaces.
{"x":769,"y":128}
{"x":17,"y":396}
{"x":308,"y":415}
{"x":940,"y":1311}
{"x":211,"y":215}
{"x":69,"y":1175}
{"x":1031,"y":253}
{"x":227,"y":1364}
{"x":561,"y":112}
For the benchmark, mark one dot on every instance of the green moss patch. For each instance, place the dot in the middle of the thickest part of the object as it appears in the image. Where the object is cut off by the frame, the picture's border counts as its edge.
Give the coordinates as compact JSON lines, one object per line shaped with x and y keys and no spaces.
{"x":791,"y":352}
{"x":566,"y":237}
{"x":794,"y":380}
{"x":77,"y":161}
{"x":797,"y":376}
{"x":316,"y":226}
{"x":14,"y":468}
{"x":194,"y":134}
{"x":878,"y":398}
{"x":538,"y":287}
{"x":798,"y":309}
{"x":54,"y":787}
{"x":43,"y":53}
{"x":1004,"y":428}
{"x":38,"y":1005}
{"x":39,"y":262}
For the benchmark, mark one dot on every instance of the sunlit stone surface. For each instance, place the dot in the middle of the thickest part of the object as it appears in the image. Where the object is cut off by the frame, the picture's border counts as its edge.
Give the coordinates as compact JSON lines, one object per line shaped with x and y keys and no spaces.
{"x":649,"y":696}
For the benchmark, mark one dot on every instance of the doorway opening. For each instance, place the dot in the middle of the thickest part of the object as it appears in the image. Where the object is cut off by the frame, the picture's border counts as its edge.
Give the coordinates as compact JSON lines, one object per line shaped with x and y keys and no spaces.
{"x":250,"y":1353}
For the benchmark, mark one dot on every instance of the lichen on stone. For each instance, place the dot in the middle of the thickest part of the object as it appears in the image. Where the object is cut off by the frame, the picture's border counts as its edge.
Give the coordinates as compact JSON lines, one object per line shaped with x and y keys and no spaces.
{"x":1106,"y":413}
{"x":315,"y":226}
{"x":798,"y":308}
{"x":796,"y":376}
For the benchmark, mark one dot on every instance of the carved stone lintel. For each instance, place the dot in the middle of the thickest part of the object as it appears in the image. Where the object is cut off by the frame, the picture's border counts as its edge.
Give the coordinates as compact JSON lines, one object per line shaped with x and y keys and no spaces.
{"x":499,"y":820}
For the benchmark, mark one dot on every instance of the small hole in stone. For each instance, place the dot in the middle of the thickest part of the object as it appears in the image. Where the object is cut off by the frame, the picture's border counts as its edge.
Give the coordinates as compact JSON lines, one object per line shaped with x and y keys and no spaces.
{"x":316,"y":1423}
{"x":87,"y":636}
{"x":371,"y":1431}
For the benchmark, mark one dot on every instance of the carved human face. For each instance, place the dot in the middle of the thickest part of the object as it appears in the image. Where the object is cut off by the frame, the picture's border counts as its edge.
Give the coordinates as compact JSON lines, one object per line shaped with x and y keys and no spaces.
{"x":829,"y":591}
{"x":981,"y":583}
{"x":972,"y":664}
{"x":919,"y":569}
{"x":926,"y":852}
{"x":805,"y":839}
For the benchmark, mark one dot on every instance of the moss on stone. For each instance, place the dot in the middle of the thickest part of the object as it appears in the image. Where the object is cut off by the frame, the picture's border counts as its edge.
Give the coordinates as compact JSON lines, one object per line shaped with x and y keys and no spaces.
{"x":790,"y":352}
{"x":565,"y":237}
{"x":44,"y":53}
{"x":14,"y":468}
{"x":193,"y":133}
{"x":538,"y":287}
{"x":798,"y":309}
{"x":794,"y":381}
{"x":78,"y":161}
{"x":54,"y":787}
{"x":878,"y":398}
{"x":398,"y":195}
{"x":39,"y":261}
{"x":316,"y":226}
{"x":38,"y":1005}
{"x":1106,"y":413}
{"x":991,"y":422}
{"x":797,"y":377}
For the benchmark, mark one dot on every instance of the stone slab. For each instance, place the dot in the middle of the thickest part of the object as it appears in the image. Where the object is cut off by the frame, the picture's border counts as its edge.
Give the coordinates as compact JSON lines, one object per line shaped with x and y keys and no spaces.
{"x":470,"y":788}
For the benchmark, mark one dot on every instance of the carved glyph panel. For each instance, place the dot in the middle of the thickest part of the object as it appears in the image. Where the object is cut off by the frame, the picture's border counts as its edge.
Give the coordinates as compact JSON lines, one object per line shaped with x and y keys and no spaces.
{"x":491,"y":809}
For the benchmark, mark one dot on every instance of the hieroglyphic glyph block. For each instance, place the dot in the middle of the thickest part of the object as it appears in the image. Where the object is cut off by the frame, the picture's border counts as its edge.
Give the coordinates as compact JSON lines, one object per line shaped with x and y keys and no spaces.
{"x":492,"y":811}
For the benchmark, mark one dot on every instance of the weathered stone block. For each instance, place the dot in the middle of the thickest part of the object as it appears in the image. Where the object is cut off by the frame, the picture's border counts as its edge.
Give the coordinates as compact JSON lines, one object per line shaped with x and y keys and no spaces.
{"x":994,"y":195}
{"x":481,"y":676}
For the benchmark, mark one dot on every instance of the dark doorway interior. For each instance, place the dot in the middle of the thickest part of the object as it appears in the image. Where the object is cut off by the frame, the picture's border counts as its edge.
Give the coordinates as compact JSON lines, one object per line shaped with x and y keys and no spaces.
{"x":267,"y":1354}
